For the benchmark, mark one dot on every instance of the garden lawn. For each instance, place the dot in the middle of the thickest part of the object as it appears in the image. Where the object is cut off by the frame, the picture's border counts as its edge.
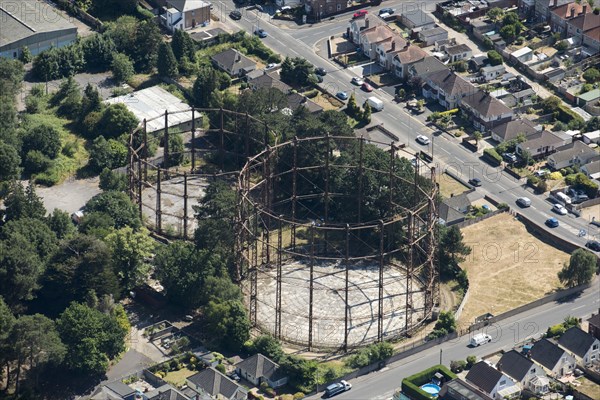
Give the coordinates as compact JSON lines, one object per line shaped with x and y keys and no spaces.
{"x":177,"y":378}
{"x":449,"y":186}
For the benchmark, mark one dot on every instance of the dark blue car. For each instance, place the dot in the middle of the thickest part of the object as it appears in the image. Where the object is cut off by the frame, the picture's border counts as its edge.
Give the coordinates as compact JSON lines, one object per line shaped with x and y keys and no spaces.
{"x":552,"y":222}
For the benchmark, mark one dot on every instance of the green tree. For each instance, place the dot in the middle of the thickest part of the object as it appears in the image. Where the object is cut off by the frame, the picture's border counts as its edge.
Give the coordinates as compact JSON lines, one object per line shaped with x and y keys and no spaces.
{"x":297,"y":72}
{"x":116,"y":120}
{"x":228,"y":323}
{"x":592,"y":125}
{"x":110,"y":180}
{"x":44,"y":138}
{"x":122,"y":67}
{"x":561,"y":45}
{"x":7,"y":321}
{"x":183,"y":46}
{"x":551,"y":104}
{"x":9,"y":162}
{"x":25,"y":57}
{"x":90,"y":102}
{"x":23,"y":203}
{"x":130,"y":250}
{"x":61,"y":224}
{"x":117,"y":206}
{"x":495,"y":14}
{"x":98,"y":52}
{"x":176,"y":150}
{"x":580,"y":269}
{"x":220,"y":289}
{"x":494,"y":57}
{"x":206,"y":83}
{"x":92,"y":338}
{"x":34,"y":231}
{"x":366,"y":115}
{"x":352,"y":108}
{"x":452,"y":250}
{"x":268,"y":346}
{"x":107,"y":154}
{"x":166,"y":64}
{"x":477,"y":135}
{"x":592,"y":75}
{"x":215,"y":214}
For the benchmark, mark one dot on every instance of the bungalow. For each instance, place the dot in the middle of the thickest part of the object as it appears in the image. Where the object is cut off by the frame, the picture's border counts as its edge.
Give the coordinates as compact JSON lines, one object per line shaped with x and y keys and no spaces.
{"x":425,"y":67}
{"x":416,"y":19}
{"x":492,"y":72}
{"x":588,"y":97}
{"x":527,"y":374}
{"x":458,"y":52}
{"x":233,"y":62}
{"x":594,"y":325}
{"x":494,"y":383}
{"x":258,"y":369}
{"x":457,"y":389}
{"x":430,"y":36}
{"x":185,"y":14}
{"x":213,"y":383}
{"x":580,"y":344}
{"x":297,"y":100}
{"x":486,"y":110}
{"x":452,"y":210}
{"x":555,"y":361}
{"x":575,"y":153}
{"x":541,"y":144}
{"x":405,"y":57}
{"x":447,"y":88}
{"x":477,"y":62}
{"x":268,"y":81}
{"x":511,"y":129}
{"x":592,"y":168}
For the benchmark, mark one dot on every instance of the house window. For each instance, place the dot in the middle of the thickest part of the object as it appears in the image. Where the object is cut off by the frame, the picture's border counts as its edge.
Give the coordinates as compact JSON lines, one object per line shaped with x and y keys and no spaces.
{"x":502,"y":382}
{"x":338,"y":7}
{"x":533,"y":370}
{"x":595,"y":347}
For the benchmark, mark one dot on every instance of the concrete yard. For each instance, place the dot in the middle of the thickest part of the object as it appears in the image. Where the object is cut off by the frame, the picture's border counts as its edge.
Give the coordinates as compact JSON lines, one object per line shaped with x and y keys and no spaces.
{"x":329,"y":303}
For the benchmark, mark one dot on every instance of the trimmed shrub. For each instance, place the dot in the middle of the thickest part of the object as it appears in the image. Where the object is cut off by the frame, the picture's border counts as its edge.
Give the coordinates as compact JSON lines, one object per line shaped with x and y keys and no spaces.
{"x":493,"y":156}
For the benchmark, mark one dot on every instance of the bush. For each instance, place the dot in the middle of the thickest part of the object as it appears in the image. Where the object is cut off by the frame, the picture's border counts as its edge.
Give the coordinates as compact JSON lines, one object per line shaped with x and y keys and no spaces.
{"x":471,"y":360}
{"x":542,"y":187}
{"x":299,"y":396}
{"x":555,"y":175}
{"x":221,"y":369}
{"x":555,"y":330}
{"x":503,"y":206}
{"x":110,"y":180}
{"x":36,"y":161}
{"x":493,"y":155}
{"x":533,"y":181}
{"x":457,"y":366}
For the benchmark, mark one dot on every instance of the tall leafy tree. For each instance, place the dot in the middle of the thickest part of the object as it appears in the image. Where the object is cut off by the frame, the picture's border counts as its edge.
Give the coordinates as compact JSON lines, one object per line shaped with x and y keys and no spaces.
{"x":44,"y":138}
{"x":9,"y":161}
{"x":60,"y":223}
{"x":580,"y":270}
{"x":117,"y":206}
{"x":34,"y":231}
{"x":130,"y":249}
{"x":206,"y":83}
{"x":121,"y":67}
{"x":166,"y":64}
{"x":22,"y":203}
{"x":98,"y":52}
{"x":7,"y":321}
{"x":116,"y":120}
{"x":228,"y":323}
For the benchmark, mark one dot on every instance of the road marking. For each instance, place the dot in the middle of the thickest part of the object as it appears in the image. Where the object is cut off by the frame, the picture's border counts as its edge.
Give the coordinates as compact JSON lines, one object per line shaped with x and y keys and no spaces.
{"x":577,"y":308}
{"x":393,"y":117}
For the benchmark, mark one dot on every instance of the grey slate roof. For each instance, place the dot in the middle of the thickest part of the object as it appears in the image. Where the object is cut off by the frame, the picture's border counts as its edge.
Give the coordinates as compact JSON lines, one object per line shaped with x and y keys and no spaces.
{"x":483,"y":376}
{"x":269,"y":80}
{"x":595,"y":320}
{"x":215,"y":383}
{"x":427,"y":66}
{"x":570,"y":150}
{"x":166,"y":392}
{"x":576,"y":341}
{"x":485,"y":105}
{"x":260,"y":366}
{"x":231,"y":58}
{"x":458,"y":49}
{"x":433,"y":32}
{"x":511,"y":129}
{"x":451,"y":83}
{"x":188,"y":5}
{"x":24,"y":18}
{"x":546,"y":353}
{"x":514,"y":365}
{"x":457,"y":389}
{"x":417,"y":17}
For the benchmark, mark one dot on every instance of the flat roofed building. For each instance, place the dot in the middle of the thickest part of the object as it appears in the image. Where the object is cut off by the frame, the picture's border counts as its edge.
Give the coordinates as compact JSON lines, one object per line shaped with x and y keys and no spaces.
{"x":32,"y":24}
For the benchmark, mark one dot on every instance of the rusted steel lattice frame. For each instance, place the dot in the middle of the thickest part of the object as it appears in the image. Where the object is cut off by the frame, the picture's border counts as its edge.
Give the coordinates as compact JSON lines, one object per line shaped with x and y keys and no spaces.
{"x":262,"y":163}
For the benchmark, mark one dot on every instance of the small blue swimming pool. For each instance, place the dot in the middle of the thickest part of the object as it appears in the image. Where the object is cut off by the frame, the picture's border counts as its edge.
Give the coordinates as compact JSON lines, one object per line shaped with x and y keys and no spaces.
{"x":431,"y":389}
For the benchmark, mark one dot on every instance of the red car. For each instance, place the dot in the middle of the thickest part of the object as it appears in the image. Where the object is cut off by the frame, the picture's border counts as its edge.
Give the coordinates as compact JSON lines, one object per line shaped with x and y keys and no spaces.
{"x":366,"y":87}
{"x":359,"y":14}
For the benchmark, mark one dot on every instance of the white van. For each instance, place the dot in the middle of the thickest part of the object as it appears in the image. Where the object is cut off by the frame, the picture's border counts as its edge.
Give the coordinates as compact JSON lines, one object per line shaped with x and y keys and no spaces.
{"x":563,"y":197}
{"x":479,"y":339}
{"x":375,"y":103}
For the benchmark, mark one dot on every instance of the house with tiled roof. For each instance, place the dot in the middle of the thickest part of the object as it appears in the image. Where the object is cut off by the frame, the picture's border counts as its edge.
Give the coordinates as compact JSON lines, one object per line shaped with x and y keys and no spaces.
{"x":555,"y":361}
{"x":458,"y":52}
{"x":591,"y":39}
{"x":594,"y":325}
{"x":458,"y":389}
{"x":561,"y":15}
{"x":578,"y":26}
{"x":575,"y":153}
{"x":425,"y":67}
{"x":486,"y":110}
{"x":233,"y":62}
{"x":386,"y":49}
{"x":370,"y":37}
{"x":404,"y":58}
{"x":541,"y":144}
{"x":492,"y":382}
{"x":511,"y":129}
{"x":258,"y":369}
{"x":527,"y":374}
{"x":543,"y":8}
{"x":357,"y":25}
{"x":447,"y":88}
{"x":268,"y":81}
{"x":592,"y":168}
{"x":212,"y":382}
{"x":580,"y":344}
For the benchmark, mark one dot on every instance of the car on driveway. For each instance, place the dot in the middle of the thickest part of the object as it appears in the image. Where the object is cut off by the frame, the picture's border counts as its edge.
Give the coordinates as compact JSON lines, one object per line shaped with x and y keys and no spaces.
{"x":271,"y":66}
{"x":509,"y":157}
{"x":593,"y":245}
{"x":261,"y":33}
{"x":357,"y":81}
{"x":342,"y":95}
{"x":422,"y":139}
{"x":541,"y":172}
{"x":552,"y":222}
{"x":235,"y":15}
{"x":320,"y":71}
{"x":559,"y":209}
{"x":359,"y":14}
{"x":475,"y":182}
{"x":366,"y":87}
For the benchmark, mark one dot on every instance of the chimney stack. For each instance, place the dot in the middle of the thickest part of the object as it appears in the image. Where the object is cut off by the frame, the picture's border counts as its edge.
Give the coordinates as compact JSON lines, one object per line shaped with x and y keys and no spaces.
{"x":572,"y":12}
{"x":584,"y":9}
{"x":555,"y":3}
{"x":393,"y":44}
{"x":367,"y":22}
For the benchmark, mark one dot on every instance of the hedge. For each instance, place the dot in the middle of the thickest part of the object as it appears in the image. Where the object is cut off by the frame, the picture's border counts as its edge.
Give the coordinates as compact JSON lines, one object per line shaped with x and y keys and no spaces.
{"x":493,"y":155}
{"x":411,"y":385}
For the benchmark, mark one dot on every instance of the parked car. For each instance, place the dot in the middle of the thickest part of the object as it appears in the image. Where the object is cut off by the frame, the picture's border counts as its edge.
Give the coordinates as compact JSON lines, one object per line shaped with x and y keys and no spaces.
{"x":261,"y":33}
{"x":188,"y":318}
{"x":563,"y":197}
{"x":475,"y":182}
{"x":320,"y":71}
{"x":552,"y":222}
{"x":593,"y":245}
{"x":336,"y":388}
{"x":366,"y":87}
{"x":580,"y":198}
{"x":359,"y":14}
{"x":357,"y":81}
{"x":479,"y":339}
{"x":271,"y":66}
{"x":509,"y":157}
{"x":235,"y":15}
{"x":524,"y":202}
{"x":319,"y":78}
{"x":422,"y":139}
{"x":342,"y":95}
{"x":388,"y":11}
{"x":559,"y":209}
{"x":234,"y":377}
{"x":541,"y":173}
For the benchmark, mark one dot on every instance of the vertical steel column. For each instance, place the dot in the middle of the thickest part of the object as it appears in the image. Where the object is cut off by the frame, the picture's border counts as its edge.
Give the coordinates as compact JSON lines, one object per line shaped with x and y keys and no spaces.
{"x":294,"y":189}
{"x":409,"y":273}
{"x":166,"y":145}
{"x":254,"y":273}
{"x":381,"y":265}
{"x":145,"y":137}
{"x":158,"y":203}
{"x":193,"y":143}
{"x":278,"y":292}
{"x":139,"y":185}
{"x":360,"y":179}
{"x":185,"y":205}
{"x":266,"y":135}
{"x":247,"y":136}
{"x":222,"y":141}
{"x":130,"y":166}
{"x":328,"y":150}
{"x":392,"y":165}
{"x":347,"y":313}
{"x":267,"y":202}
{"x":311,"y":282}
